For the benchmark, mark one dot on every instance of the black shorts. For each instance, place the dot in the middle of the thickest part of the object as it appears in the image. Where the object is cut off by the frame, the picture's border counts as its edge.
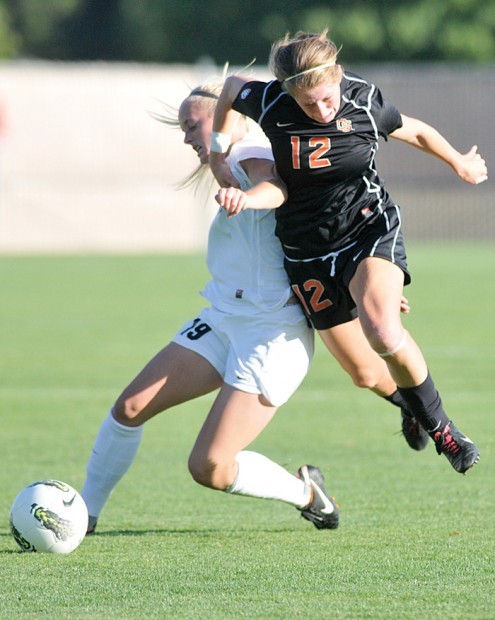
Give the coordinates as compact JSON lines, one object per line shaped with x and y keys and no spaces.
{"x":322,"y":283}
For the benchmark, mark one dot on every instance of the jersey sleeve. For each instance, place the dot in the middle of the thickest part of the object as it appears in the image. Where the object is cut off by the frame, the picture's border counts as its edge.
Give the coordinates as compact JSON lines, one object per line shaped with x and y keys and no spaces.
{"x":386,"y":115}
{"x":252,"y":146}
{"x":252,"y":99}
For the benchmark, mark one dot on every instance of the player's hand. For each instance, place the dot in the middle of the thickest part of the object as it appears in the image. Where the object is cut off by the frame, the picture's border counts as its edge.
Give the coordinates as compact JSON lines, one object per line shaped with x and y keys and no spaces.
{"x":232,"y":199}
{"x":404,"y":305}
{"x":221,"y":170}
{"x":473,"y":168}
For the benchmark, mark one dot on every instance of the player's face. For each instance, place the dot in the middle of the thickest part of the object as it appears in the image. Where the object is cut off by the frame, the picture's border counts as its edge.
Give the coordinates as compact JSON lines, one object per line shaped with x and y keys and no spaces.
{"x":196,"y":122}
{"x":321,"y":103}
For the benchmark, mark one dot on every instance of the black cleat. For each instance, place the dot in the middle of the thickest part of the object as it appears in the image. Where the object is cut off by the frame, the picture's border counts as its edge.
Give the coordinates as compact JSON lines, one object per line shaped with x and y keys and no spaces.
{"x":459,"y":449}
{"x":92,"y":522}
{"x":415,"y":435}
{"x":322,"y":510}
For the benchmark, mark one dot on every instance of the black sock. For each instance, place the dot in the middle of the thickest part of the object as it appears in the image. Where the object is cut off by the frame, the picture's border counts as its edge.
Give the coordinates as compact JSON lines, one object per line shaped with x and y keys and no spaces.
{"x":425,"y":404}
{"x":396,"y":399}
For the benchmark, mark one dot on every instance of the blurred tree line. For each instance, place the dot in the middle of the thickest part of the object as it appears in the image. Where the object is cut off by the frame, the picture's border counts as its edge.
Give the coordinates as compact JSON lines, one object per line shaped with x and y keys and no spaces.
{"x":185,"y":31}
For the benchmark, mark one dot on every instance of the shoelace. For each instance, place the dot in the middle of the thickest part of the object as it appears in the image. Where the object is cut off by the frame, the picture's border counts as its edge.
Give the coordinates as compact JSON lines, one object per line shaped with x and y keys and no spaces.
{"x":445,"y":442}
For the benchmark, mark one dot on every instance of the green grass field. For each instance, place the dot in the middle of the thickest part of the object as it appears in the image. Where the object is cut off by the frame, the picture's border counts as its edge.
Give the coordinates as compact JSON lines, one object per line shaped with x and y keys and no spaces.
{"x":416,"y":539}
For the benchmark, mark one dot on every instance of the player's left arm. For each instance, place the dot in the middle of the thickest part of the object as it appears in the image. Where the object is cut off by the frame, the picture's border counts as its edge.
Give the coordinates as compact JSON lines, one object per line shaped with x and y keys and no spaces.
{"x":224,"y":121}
{"x":268,"y":191}
{"x":470,"y":166}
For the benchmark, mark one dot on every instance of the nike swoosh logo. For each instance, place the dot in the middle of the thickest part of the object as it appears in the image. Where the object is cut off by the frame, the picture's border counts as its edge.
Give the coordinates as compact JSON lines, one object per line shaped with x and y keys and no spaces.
{"x":283,"y":124}
{"x":357,"y":255}
{"x":69,"y":503}
{"x":328,"y":506}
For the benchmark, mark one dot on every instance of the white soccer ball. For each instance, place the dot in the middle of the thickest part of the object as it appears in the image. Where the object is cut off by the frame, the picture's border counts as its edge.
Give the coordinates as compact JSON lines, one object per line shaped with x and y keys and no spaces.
{"x":48,"y":516}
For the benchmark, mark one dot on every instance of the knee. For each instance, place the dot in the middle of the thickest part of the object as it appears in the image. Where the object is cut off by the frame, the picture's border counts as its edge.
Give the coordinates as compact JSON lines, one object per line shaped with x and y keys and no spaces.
{"x":384,"y":336}
{"x":126,"y":411}
{"x":209,"y":473}
{"x":202,"y":471}
{"x":366,"y":376}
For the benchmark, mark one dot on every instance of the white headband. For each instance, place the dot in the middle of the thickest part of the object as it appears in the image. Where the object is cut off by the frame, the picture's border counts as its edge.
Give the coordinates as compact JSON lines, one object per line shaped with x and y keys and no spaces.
{"x":330,"y":63}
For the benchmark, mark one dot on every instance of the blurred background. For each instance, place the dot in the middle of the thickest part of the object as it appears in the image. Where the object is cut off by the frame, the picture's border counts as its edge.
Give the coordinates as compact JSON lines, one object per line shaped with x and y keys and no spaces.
{"x":85,"y":168}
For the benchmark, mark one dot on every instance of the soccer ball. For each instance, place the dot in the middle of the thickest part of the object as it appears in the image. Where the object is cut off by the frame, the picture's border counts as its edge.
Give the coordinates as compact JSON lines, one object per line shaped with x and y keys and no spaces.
{"x":48,"y":516}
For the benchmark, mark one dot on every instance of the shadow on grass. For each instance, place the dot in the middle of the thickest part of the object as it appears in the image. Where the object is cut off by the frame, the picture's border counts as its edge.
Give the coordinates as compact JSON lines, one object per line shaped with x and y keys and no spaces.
{"x":167,"y":532}
{"x":190,"y":532}
{"x":148,"y":532}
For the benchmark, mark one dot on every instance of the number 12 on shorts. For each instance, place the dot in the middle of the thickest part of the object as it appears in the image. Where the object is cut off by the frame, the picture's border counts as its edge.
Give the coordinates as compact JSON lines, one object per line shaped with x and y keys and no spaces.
{"x":316,"y":291}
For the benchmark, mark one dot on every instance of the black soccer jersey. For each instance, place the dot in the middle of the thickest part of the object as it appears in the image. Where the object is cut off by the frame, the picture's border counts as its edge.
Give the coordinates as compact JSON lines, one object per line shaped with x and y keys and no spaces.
{"x":329,"y":169}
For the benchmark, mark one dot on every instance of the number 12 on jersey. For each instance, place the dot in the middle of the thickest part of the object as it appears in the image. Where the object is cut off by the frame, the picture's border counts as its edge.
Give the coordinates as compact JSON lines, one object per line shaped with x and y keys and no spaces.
{"x":316,"y":159}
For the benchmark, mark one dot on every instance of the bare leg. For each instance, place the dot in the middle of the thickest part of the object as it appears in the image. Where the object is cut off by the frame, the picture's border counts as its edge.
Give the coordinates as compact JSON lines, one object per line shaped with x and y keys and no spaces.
{"x":234,"y":421}
{"x":348,"y":344}
{"x":377,"y":289}
{"x":219,"y":460}
{"x":173,"y":376}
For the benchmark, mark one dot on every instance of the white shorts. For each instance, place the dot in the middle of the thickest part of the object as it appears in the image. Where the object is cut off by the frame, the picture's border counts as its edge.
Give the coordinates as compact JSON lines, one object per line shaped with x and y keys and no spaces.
{"x":268,"y":355}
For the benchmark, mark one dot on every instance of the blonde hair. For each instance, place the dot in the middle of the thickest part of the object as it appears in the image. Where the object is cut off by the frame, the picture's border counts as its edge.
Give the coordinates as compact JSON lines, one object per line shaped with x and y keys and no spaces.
{"x":206,"y":96}
{"x":305,"y":60}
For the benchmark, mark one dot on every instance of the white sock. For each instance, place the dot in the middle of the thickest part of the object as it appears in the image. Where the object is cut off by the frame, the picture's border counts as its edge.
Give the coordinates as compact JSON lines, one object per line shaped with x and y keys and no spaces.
{"x":114,"y":451}
{"x":260,"y":477}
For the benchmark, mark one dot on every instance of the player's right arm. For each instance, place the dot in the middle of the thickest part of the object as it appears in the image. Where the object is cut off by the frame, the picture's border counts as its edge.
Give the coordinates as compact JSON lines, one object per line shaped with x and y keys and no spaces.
{"x":268,"y":191}
{"x":223,"y":126}
{"x":470,"y":166}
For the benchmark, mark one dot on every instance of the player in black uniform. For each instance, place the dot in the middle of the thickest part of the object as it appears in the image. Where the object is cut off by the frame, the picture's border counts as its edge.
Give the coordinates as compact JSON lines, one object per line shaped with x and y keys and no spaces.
{"x":340,"y":230}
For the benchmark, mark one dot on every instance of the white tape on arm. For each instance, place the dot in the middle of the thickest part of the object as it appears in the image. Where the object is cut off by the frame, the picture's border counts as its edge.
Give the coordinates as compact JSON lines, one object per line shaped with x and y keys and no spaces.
{"x":220,"y":142}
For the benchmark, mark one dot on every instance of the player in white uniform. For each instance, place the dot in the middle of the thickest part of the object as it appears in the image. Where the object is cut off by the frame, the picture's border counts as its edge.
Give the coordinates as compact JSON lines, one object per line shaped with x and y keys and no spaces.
{"x":252,"y":343}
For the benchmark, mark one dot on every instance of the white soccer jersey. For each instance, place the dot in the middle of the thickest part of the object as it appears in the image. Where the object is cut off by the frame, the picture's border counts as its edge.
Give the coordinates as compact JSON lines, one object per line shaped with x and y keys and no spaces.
{"x":255,"y":333}
{"x":244,"y":257}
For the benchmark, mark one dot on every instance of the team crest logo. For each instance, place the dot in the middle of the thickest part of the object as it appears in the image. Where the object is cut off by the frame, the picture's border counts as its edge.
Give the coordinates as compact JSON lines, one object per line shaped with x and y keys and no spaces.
{"x":344,"y":124}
